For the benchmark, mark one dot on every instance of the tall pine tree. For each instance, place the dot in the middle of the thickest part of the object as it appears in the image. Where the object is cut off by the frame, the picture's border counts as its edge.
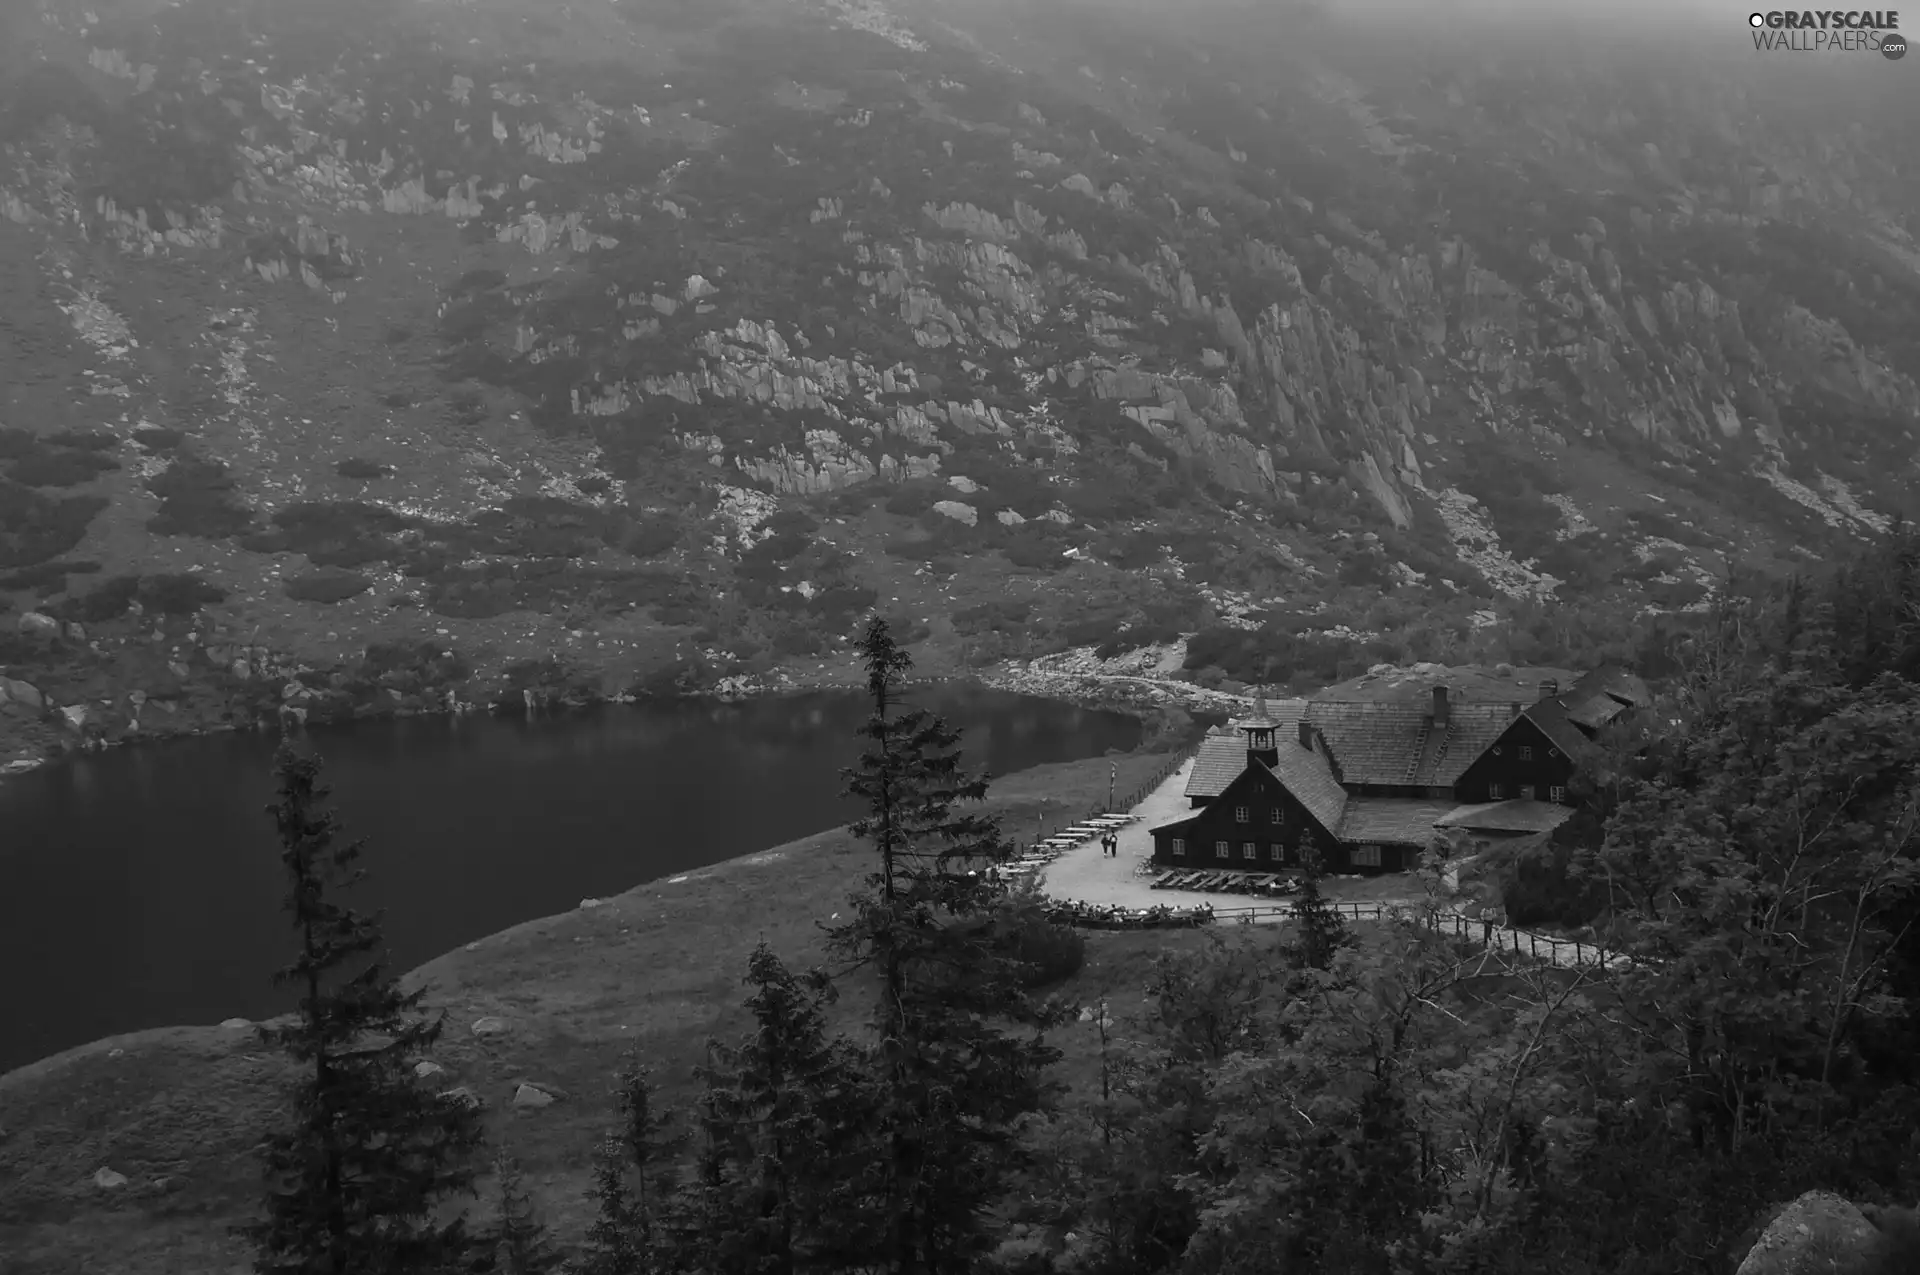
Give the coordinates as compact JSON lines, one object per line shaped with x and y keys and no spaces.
{"x":953,"y":1089}
{"x":356,"y":1178}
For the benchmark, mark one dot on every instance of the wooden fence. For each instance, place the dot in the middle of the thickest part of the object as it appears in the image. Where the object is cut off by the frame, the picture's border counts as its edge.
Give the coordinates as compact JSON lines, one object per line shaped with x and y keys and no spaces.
{"x":1567,"y":952}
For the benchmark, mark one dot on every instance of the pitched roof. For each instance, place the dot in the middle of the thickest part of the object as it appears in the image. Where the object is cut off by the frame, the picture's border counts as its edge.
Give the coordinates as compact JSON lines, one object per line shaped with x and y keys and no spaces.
{"x":1507,"y":816}
{"x":1395,"y":820}
{"x":1218,"y":763}
{"x":1613,"y":681}
{"x":1304,"y":773}
{"x":1551,"y":716}
{"x":1591,"y":712}
{"x":1223,"y":753}
{"x":1387,"y":742}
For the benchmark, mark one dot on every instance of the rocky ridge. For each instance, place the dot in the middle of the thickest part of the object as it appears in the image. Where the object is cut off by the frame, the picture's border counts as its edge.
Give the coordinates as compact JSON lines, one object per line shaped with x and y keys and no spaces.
{"x":578,"y":315}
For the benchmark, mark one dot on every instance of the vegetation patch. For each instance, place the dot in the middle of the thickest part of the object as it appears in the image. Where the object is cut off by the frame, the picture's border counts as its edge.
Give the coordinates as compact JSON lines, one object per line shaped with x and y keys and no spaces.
{"x":36,"y":528}
{"x":174,"y":593}
{"x":60,"y":467}
{"x":326,"y":586}
{"x":333,"y":533}
{"x":357,"y":467}
{"x":47,"y":578}
{"x":157,"y":438}
{"x":196,"y":499}
{"x":86,"y":440}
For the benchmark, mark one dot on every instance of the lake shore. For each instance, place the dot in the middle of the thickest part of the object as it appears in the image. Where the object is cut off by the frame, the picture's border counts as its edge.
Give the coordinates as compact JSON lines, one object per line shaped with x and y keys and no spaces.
{"x":178,"y":1110}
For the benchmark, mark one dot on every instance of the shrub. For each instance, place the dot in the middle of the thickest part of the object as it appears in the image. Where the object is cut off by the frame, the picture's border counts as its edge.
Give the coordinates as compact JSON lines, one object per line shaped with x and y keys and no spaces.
{"x":178,"y":593}
{"x":326,"y":586}
{"x":357,"y":467}
{"x":910,"y":500}
{"x":35,"y":528}
{"x":1046,"y":953}
{"x":86,"y":440}
{"x":158,"y":439}
{"x":195,"y":500}
{"x":48,"y":577}
{"x":60,"y":468}
{"x":652,"y":535}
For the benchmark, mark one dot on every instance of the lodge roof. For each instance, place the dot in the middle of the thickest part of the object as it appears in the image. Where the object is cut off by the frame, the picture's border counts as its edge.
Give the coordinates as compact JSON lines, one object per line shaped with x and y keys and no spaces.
{"x":1388,"y":742}
{"x":1557,"y":724}
{"x":1223,"y":753}
{"x":1391,"y":820}
{"x":1506,"y":816}
{"x":1304,"y":773}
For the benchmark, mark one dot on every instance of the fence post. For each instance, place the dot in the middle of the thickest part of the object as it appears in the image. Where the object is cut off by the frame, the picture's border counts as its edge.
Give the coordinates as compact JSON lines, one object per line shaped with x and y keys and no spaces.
{"x":1533,"y":945}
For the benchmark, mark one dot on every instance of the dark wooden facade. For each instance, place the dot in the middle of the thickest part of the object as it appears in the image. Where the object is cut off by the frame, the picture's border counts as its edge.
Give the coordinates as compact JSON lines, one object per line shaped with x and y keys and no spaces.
{"x":1524,"y":763}
{"x":1276,"y":826}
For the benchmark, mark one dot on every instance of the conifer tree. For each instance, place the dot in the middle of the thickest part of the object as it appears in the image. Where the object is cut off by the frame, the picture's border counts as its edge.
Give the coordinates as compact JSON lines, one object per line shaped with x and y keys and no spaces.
{"x":785,"y":1150}
{"x":518,"y":1237}
{"x":642,"y":1135}
{"x":354,"y":1181}
{"x":613,"y":1240}
{"x":1320,"y":932}
{"x":952,"y":1088}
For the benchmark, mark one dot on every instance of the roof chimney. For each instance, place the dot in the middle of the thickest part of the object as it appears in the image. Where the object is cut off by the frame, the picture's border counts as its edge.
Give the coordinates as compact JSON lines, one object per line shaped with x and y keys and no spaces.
{"x":1549,"y":688}
{"x":1306,"y":733}
{"x":1439,"y":706}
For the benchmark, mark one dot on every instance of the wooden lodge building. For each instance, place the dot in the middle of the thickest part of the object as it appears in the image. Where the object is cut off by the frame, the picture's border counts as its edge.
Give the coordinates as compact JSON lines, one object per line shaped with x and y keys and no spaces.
{"x":1369,"y":782}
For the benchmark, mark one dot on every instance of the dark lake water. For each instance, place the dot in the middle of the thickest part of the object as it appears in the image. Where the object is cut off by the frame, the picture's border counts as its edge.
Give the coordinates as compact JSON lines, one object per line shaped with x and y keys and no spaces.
{"x":140,"y":887}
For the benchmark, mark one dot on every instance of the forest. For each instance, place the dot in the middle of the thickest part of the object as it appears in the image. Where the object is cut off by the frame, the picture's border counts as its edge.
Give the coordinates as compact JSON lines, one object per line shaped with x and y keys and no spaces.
{"x":1315,"y":1097}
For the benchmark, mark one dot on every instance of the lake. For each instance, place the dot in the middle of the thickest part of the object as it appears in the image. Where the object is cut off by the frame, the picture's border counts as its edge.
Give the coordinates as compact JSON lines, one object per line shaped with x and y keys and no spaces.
{"x":141,"y":887}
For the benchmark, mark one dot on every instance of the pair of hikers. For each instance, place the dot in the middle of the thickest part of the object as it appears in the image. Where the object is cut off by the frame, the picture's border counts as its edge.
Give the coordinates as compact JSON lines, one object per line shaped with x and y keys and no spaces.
{"x":1110,"y":845}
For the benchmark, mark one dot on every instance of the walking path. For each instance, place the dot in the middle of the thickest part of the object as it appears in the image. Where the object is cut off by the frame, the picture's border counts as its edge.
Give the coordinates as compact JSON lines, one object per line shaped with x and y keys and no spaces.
{"x":1085,"y":874}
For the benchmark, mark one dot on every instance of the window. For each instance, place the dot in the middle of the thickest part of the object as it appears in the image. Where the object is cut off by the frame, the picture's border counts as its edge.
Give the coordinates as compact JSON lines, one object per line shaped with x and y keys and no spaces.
{"x":1242,"y":814}
{"x":1248,"y":850}
{"x":1219,"y":849}
{"x":1277,"y":852}
{"x":1366,"y":856}
{"x":1179,"y":847}
{"x":1496,"y":792}
{"x":1526,"y":792}
{"x":1277,"y":816}
{"x":1526,"y":752}
{"x":1558,"y":794}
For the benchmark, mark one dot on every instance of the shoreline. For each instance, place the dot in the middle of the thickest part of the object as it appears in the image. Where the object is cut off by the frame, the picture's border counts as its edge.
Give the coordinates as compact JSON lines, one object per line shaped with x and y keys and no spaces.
{"x":1161,"y":705}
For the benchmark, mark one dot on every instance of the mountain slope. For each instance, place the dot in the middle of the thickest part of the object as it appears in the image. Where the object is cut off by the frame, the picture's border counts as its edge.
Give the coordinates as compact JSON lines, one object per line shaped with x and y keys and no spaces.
{"x":575,"y":340}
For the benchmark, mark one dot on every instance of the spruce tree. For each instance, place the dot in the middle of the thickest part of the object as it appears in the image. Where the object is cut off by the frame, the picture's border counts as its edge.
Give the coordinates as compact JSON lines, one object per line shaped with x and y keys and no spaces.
{"x":613,"y":1241}
{"x":952,"y":1088}
{"x":1319,"y":931}
{"x":355,"y":1179}
{"x":784,"y":1146}
{"x":518,"y":1239}
{"x":642,"y":1129}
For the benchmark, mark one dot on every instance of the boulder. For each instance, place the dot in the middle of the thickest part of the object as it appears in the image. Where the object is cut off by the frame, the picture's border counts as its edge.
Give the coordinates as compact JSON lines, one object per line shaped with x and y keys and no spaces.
{"x":236,"y":1024}
{"x":75,"y":632}
{"x":1818,"y":1234}
{"x":34,"y":624}
{"x":107,"y":1179}
{"x":532,"y":1096}
{"x":25,"y":694}
{"x":491,"y":1026}
{"x":76,"y":715}
{"x":423,"y":1069}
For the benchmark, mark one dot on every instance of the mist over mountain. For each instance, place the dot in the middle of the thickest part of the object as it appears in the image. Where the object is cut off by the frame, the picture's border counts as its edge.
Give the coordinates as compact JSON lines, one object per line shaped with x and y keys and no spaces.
{"x":607,"y":337}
